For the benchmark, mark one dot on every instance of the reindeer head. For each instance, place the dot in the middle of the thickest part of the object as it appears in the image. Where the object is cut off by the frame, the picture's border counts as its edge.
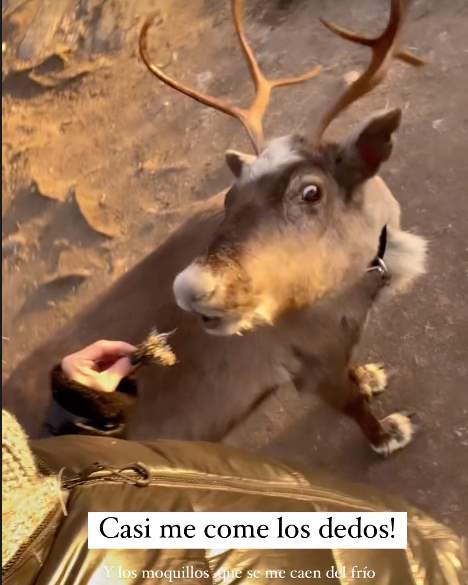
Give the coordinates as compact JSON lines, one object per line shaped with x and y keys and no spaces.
{"x":296,"y":225}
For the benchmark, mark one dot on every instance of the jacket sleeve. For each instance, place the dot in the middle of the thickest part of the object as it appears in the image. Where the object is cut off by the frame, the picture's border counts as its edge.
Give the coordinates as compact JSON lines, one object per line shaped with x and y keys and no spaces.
{"x":93,"y":411}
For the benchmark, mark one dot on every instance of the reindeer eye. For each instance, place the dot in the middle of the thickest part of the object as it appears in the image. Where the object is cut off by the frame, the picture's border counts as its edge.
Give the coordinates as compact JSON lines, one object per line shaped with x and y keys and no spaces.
{"x":311,"y":193}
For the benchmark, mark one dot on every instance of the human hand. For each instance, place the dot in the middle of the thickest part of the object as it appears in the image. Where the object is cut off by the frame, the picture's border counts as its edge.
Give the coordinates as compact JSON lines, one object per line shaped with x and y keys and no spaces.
{"x":100,"y":366}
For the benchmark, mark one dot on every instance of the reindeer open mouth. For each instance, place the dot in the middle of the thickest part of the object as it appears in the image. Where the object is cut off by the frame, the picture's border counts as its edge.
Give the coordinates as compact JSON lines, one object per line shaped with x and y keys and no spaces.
{"x":221,"y":325}
{"x":224,"y":302}
{"x":230,"y":323}
{"x":211,"y":322}
{"x":222,"y":322}
{"x":216,"y":324}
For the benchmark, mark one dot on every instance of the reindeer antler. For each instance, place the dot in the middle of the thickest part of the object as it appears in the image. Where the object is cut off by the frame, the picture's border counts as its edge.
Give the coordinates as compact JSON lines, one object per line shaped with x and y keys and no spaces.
{"x":384,"y":49}
{"x":251,"y":117}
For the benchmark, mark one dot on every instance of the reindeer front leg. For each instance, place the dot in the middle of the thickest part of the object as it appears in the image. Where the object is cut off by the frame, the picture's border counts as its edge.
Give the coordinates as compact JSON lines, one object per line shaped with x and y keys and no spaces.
{"x":371,"y":379}
{"x":386,"y":435}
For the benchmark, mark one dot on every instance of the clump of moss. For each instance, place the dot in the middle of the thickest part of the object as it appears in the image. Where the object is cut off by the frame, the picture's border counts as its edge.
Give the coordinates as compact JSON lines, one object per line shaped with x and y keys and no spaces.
{"x":155,"y":349}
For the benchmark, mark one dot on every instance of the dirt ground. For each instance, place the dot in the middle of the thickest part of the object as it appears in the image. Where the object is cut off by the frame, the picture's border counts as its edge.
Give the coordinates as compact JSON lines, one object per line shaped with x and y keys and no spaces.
{"x":100,"y":162}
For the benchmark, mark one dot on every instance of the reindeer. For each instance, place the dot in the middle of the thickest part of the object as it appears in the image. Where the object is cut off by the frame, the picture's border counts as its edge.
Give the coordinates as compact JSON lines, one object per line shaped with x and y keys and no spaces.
{"x":273,"y":281}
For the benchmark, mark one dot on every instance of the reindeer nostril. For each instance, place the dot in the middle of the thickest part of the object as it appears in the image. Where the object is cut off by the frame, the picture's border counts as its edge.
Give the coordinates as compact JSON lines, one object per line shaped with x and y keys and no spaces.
{"x":193,"y":285}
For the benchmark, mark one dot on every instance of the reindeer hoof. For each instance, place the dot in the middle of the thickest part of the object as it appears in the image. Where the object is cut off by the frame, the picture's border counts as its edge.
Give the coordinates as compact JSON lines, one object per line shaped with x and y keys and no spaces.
{"x":372,"y":379}
{"x":398,"y":430}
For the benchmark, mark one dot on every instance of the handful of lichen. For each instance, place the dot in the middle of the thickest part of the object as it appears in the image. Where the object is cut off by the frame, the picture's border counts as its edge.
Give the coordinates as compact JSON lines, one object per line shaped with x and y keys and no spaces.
{"x":155,"y":349}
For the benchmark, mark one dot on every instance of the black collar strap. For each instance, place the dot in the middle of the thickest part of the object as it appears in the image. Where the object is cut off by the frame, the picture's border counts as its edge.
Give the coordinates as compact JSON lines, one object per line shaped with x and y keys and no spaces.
{"x":378,"y":263}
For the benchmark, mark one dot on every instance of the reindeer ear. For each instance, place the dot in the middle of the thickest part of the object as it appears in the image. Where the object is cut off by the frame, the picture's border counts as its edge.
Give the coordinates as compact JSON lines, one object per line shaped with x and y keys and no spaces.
{"x":236,"y":161}
{"x":360,"y":157}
